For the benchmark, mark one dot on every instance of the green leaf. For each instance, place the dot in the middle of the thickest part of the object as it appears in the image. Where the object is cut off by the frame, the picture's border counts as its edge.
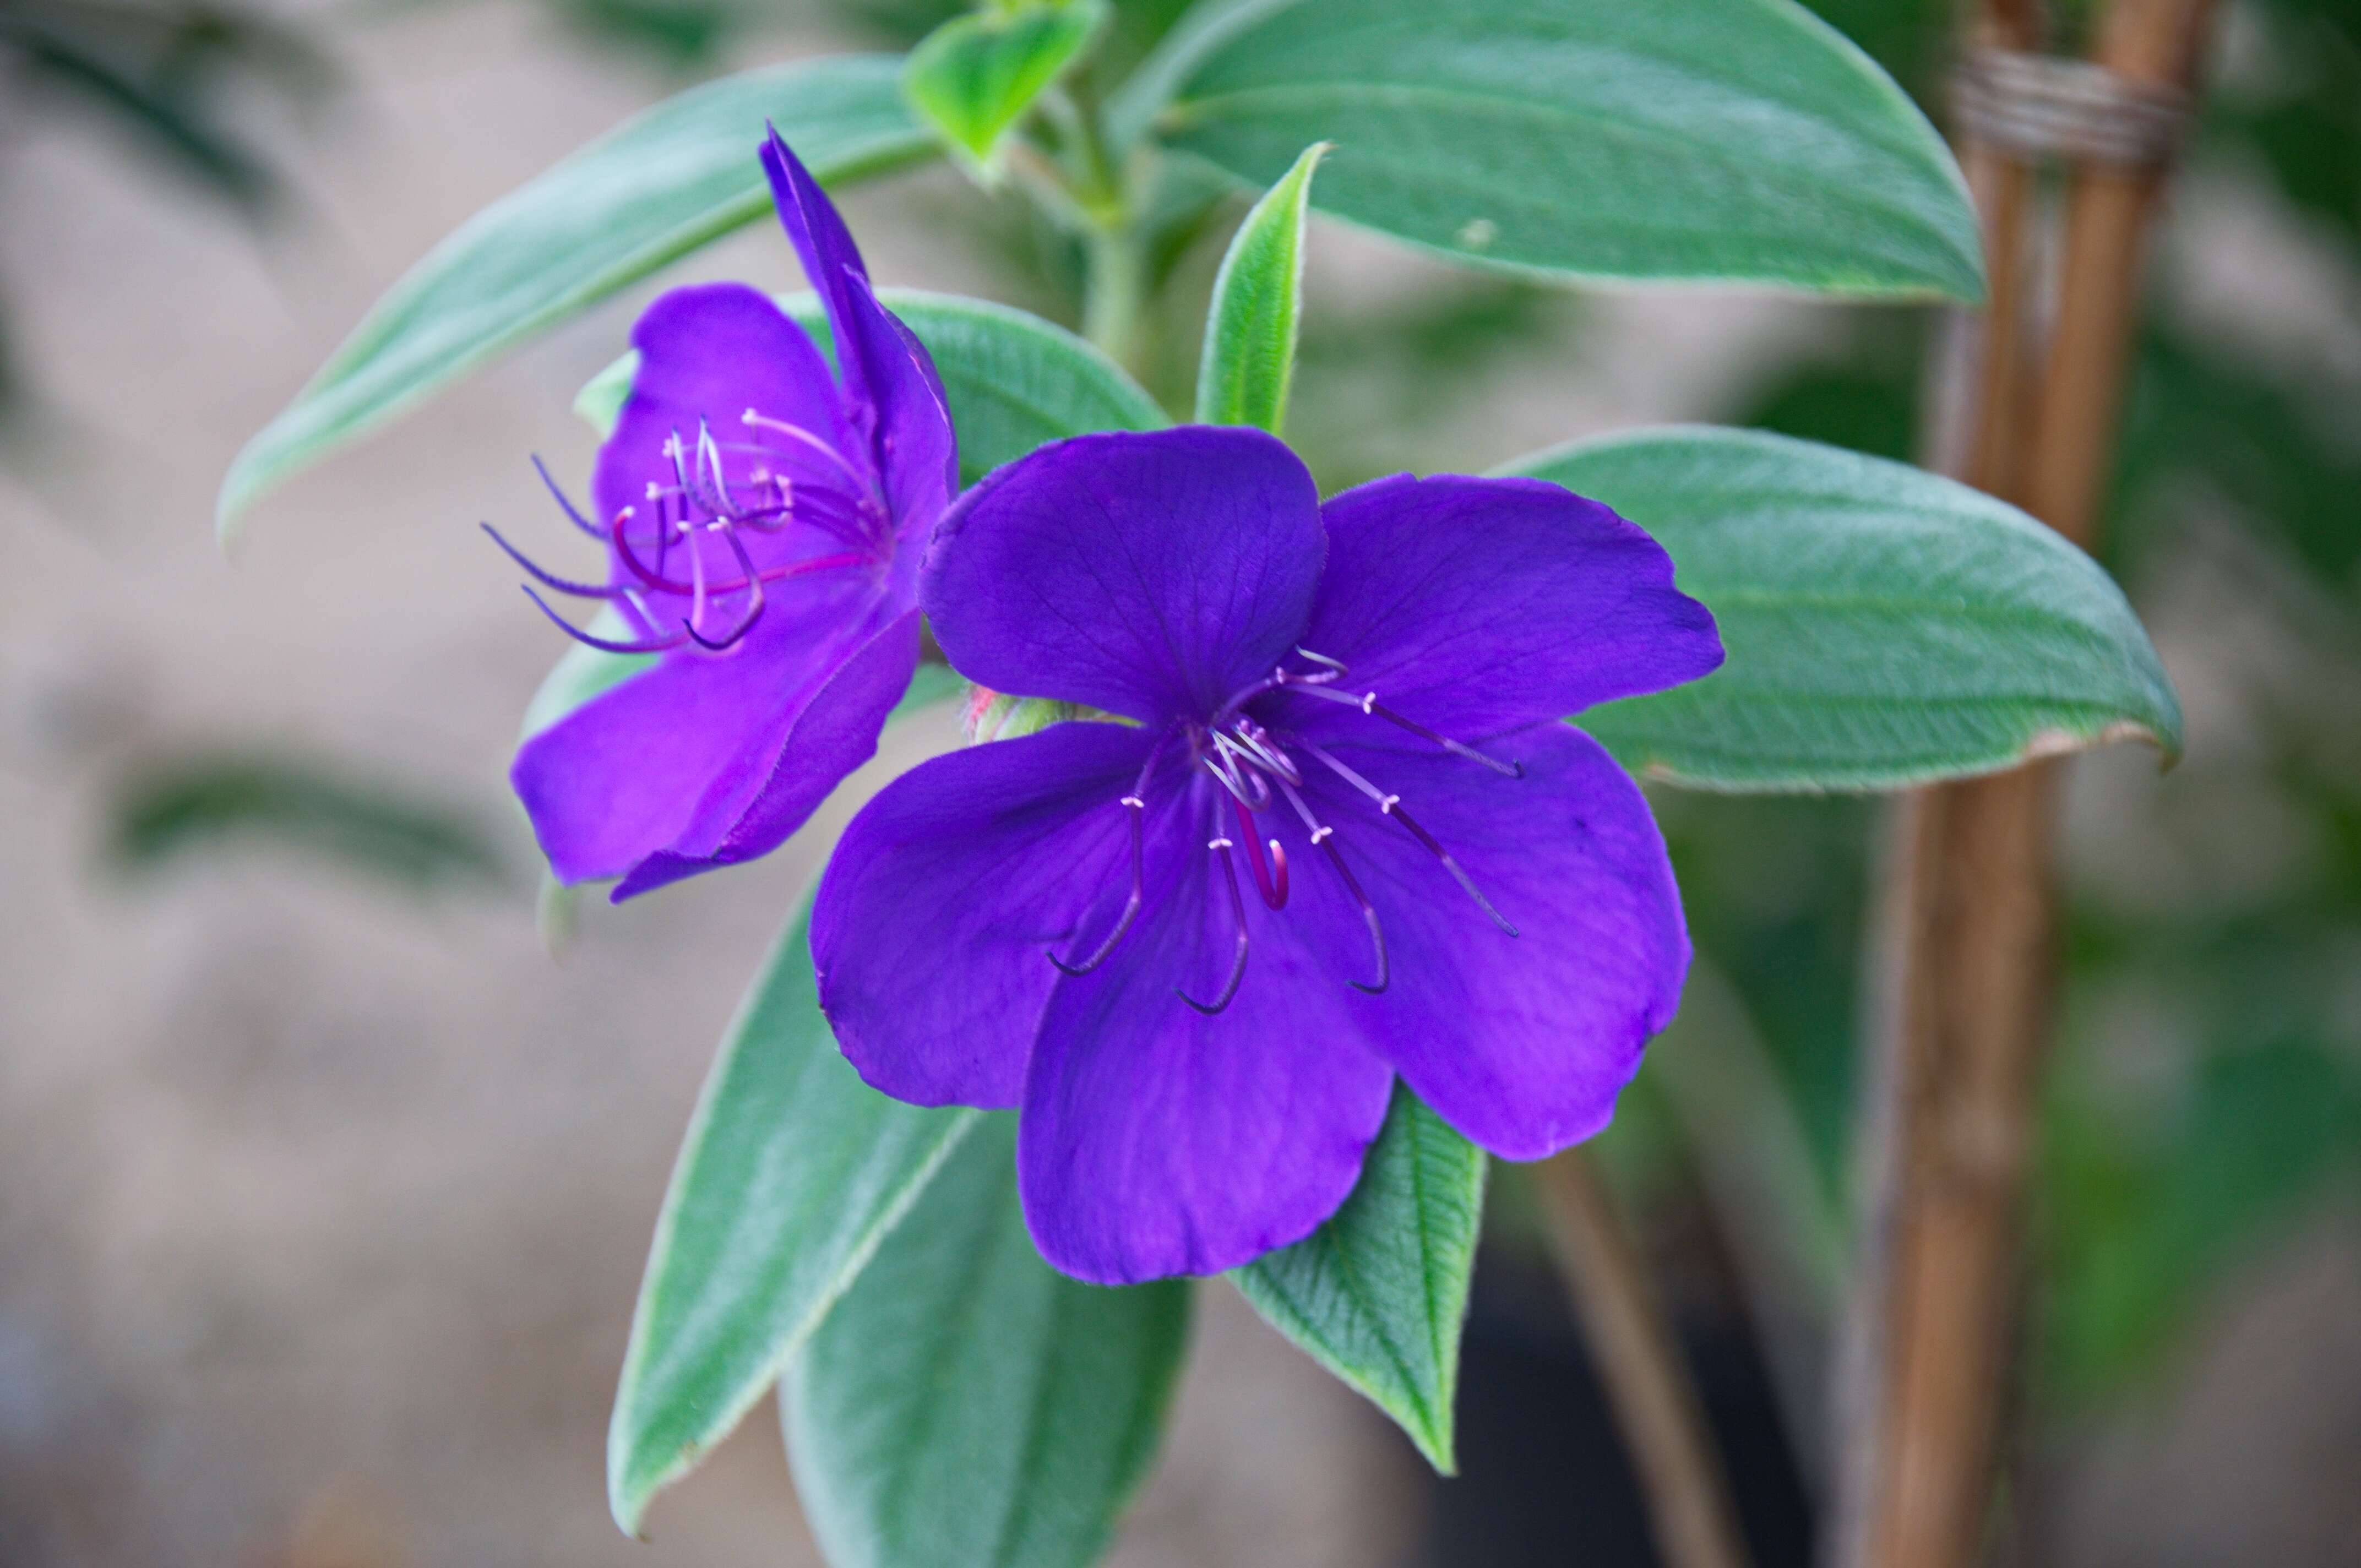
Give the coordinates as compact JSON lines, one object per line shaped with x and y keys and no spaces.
{"x":1258,"y":309}
{"x":655,"y":188}
{"x":1727,"y":141}
{"x":1013,"y":380}
{"x":1885,"y":627}
{"x":966,"y":1406}
{"x":792,"y":1173}
{"x":975,"y":76}
{"x":173,"y":808}
{"x":1378,"y":1293}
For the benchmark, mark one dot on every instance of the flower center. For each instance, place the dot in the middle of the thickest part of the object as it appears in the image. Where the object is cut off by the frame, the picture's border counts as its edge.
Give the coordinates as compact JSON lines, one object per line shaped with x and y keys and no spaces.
{"x":1257,"y":771}
{"x":722,"y":494}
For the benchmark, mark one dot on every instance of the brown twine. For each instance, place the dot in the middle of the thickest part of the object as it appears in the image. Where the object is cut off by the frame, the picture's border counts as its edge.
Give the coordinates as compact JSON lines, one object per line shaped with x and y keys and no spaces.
{"x":2040,"y":106}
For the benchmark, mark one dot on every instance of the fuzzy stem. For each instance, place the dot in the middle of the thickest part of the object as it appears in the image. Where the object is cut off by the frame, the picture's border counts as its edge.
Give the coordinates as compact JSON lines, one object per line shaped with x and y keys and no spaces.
{"x":1114,"y":296}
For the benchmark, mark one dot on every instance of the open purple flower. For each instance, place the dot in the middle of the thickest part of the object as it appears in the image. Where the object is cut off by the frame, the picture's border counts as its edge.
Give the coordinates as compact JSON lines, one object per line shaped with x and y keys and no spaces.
{"x":1343,"y":838}
{"x":762,"y":522}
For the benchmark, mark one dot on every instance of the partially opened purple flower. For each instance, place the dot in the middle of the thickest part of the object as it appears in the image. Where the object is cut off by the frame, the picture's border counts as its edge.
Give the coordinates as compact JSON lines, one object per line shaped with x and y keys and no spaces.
{"x":1343,"y":838}
{"x":764,"y":522}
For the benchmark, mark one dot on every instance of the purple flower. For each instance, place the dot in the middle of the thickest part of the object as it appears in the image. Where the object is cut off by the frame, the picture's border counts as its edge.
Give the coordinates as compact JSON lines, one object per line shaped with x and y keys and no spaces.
{"x":762,"y":522}
{"x":1343,"y":838}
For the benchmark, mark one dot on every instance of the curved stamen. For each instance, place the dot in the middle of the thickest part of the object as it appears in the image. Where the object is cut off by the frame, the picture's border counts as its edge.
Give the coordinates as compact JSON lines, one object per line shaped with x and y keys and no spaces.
{"x":1394,"y":809}
{"x":653,"y":576}
{"x":755,"y":421}
{"x":1136,"y":804}
{"x":696,"y":577}
{"x":551,"y":579}
{"x":605,"y":645}
{"x":662,"y":584}
{"x":850,"y":499}
{"x":1245,"y":784}
{"x":1221,"y":846}
{"x":1459,"y":874}
{"x":1368,"y":703}
{"x":754,"y":598}
{"x":567,"y":506}
{"x":1270,"y":881}
{"x":1369,"y":913}
{"x":1391,"y":806}
{"x":1325,"y":838}
{"x":1138,"y":809}
{"x":1254,"y":743}
{"x":1335,"y":671}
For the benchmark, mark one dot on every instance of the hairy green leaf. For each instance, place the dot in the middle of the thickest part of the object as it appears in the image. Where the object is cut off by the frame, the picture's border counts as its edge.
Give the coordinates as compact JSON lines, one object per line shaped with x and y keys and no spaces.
{"x":1729,"y":140}
{"x":1885,"y":627}
{"x":974,"y":77}
{"x":1377,"y":1294}
{"x":793,"y":1172}
{"x":655,"y":188}
{"x":1258,"y":309}
{"x":965,"y":1404}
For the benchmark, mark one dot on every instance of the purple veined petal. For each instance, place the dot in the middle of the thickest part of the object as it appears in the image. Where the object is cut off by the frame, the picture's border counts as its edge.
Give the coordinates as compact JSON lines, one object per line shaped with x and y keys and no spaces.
{"x":830,"y":257}
{"x":709,"y":352}
{"x":916,"y":452}
{"x":1476,"y":605}
{"x":1149,"y":575}
{"x":823,"y":732}
{"x":936,"y":918}
{"x":632,"y":772}
{"x":1156,"y":1140}
{"x":1522,"y":1043}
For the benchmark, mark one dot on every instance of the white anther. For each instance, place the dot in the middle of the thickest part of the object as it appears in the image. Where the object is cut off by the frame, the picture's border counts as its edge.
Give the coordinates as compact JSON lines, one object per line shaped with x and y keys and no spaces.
{"x":1320,"y":833}
{"x":1219,"y":844}
{"x":1386,"y":805}
{"x":749,"y":417}
{"x":1369,"y":702}
{"x":1134,"y":802}
{"x":654,"y":493}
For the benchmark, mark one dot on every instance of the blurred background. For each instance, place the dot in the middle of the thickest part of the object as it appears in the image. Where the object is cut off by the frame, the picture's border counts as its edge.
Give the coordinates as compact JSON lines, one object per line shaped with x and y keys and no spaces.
{"x":324,"y":1186}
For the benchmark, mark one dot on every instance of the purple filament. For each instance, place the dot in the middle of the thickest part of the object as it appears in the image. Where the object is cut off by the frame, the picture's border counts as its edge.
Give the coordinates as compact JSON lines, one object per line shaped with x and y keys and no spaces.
{"x":1221,"y":846}
{"x":551,"y":579}
{"x":605,"y":645}
{"x":1138,"y":809}
{"x":584,"y":524}
{"x":1325,"y":838}
{"x":1391,"y":804}
{"x":1368,"y":703}
{"x":755,"y":599}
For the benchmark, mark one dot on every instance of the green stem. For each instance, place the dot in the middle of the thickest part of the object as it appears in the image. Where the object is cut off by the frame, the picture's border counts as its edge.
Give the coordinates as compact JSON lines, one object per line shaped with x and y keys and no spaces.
{"x":1115,"y":292}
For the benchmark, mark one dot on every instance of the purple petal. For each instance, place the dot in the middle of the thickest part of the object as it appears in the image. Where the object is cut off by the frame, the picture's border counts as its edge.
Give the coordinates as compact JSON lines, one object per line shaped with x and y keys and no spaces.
{"x":889,"y":378}
{"x":1477,"y":604}
{"x":916,"y":453}
{"x":1157,"y":1141}
{"x":670,"y":759}
{"x":936,"y":913}
{"x":708,"y":353}
{"x":1522,"y":1042}
{"x":830,"y":260}
{"x":756,"y":800}
{"x":1149,"y":575}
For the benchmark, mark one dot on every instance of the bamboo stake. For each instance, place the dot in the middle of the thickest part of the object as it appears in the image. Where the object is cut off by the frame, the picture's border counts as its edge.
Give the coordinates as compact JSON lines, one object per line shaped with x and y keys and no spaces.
{"x":1656,"y":1406}
{"x":1972,"y":912}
